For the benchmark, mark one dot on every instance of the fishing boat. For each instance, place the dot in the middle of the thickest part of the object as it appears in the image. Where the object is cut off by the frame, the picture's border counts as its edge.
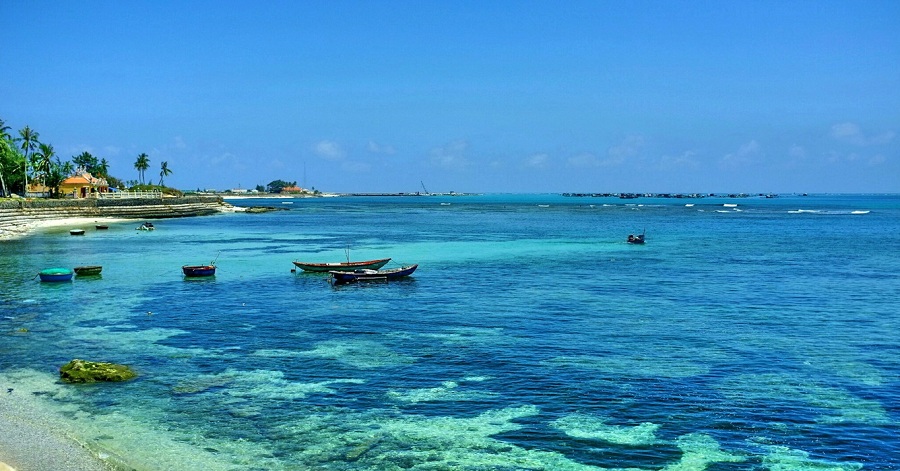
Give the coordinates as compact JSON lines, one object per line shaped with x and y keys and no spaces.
{"x":342,"y":266}
{"x":198,"y":270}
{"x":147,"y":226}
{"x":76,"y":231}
{"x":88,"y":270}
{"x":635,"y":239}
{"x":341,"y":277}
{"x":56,"y":274}
{"x":101,"y":227}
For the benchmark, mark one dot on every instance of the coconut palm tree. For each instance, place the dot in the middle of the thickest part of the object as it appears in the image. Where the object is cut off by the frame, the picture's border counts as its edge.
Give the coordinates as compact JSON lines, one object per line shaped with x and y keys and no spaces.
{"x":5,"y":142}
{"x":4,"y":131}
{"x":103,"y":168}
{"x":29,"y":138}
{"x":43,"y":159}
{"x":142,"y":164}
{"x":164,"y":172}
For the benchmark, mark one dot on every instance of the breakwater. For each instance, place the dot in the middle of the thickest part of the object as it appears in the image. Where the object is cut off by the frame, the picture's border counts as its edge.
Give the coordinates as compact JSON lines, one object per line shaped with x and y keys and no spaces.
{"x":18,"y":212}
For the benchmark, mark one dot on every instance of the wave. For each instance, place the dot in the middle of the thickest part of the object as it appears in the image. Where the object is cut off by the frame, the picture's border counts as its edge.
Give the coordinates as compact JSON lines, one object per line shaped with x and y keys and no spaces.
{"x":837,"y":212}
{"x":801,"y":211}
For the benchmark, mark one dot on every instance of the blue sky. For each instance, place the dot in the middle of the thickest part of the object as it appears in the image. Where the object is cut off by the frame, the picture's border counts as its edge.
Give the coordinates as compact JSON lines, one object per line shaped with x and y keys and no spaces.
{"x":505,"y":96}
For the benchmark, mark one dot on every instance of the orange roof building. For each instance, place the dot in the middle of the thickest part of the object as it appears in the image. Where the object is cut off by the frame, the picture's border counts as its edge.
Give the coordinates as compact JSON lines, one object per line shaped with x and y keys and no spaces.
{"x":83,"y":185}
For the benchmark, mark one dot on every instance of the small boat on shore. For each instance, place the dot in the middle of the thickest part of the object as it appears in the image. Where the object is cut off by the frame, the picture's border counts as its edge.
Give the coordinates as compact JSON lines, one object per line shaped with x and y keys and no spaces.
{"x":342,"y":266}
{"x":198,"y":270}
{"x":56,"y":274}
{"x":76,"y":232}
{"x":341,"y":277}
{"x":88,"y":270}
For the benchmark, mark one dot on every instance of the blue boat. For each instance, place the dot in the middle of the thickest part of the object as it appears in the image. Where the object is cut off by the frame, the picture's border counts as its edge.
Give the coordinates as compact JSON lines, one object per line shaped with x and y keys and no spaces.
{"x":199,"y":270}
{"x":341,"y":277}
{"x":56,"y":274}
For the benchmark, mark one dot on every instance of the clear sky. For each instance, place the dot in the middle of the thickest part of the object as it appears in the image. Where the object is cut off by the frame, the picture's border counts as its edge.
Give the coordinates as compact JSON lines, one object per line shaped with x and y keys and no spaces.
{"x":466,"y":96}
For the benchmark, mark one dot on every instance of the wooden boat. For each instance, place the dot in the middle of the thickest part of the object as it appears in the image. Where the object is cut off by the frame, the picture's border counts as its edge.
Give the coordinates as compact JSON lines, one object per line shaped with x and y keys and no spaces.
{"x":198,"y":270}
{"x":56,"y":274}
{"x":88,"y":270}
{"x":76,"y":231}
{"x":341,"y":277}
{"x":342,"y":266}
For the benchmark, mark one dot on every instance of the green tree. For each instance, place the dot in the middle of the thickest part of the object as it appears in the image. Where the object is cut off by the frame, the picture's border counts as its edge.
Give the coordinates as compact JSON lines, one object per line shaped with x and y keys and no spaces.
{"x":86,"y":161}
{"x":29,"y":138}
{"x":164,"y":171}
{"x":11,"y":162}
{"x":4,"y":131}
{"x":5,"y":141}
{"x":277,"y":185}
{"x":103,"y":169}
{"x":57,"y":172}
{"x":142,"y":164}
{"x":43,"y":160}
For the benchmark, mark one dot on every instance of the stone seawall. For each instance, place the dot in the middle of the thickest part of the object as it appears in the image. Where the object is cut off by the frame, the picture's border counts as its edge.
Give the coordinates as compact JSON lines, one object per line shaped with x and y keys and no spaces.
{"x":16,"y":212}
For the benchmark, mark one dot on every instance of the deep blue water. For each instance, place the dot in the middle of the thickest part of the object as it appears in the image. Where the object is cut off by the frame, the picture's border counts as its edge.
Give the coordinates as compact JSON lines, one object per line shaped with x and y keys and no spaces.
{"x":762,"y":336}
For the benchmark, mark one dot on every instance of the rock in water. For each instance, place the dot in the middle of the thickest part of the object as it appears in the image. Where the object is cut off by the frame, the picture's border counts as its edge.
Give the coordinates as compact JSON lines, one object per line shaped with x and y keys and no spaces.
{"x":83,"y":371}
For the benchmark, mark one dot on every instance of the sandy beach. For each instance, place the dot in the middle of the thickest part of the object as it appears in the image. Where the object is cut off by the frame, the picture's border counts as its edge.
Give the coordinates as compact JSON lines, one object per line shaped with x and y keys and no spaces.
{"x":26,"y":227}
{"x":32,"y":442}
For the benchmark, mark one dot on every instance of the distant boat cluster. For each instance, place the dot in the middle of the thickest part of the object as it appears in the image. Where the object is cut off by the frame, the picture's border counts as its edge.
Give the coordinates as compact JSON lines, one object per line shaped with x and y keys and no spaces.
{"x":629,"y":196}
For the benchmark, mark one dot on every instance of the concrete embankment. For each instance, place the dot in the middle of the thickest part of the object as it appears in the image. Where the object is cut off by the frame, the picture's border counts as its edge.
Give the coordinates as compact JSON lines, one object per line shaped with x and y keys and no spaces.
{"x":15,"y":213}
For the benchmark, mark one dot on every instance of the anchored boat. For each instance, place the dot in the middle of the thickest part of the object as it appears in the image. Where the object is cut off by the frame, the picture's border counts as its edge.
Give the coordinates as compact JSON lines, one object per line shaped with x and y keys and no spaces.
{"x":199,"y":270}
{"x":341,"y":277}
{"x":88,"y":270}
{"x":342,"y":266}
{"x":56,"y":274}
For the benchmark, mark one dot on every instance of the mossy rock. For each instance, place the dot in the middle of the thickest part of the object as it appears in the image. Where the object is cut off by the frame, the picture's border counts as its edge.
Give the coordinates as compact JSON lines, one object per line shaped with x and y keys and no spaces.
{"x":83,"y":371}
{"x":263,"y":209}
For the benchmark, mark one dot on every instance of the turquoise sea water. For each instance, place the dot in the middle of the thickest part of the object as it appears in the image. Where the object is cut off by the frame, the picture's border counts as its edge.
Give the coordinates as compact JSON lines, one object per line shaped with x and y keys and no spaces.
{"x":762,"y":336}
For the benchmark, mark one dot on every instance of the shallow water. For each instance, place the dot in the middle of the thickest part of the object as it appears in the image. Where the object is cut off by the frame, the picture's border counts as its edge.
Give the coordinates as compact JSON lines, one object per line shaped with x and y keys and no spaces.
{"x":756,"y":336}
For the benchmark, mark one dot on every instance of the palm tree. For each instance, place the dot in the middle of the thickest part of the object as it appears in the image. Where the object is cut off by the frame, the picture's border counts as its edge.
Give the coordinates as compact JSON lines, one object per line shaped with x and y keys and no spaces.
{"x":29,"y":138}
{"x":103,"y":168}
{"x":4,"y":131}
{"x":164,"y":172}
{"x":141,"y":164}
{"x":43,"y":160}
{"x":5,"y":139}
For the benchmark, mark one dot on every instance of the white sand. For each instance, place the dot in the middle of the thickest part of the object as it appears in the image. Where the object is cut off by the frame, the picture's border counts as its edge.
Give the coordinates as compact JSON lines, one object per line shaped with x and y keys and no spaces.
{"x":26,"y":444}
{"x":25,"y":227}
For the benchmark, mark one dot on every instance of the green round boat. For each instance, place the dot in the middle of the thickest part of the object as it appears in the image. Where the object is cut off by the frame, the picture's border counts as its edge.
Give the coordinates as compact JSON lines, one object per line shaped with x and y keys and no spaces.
{"x":56,"y":274}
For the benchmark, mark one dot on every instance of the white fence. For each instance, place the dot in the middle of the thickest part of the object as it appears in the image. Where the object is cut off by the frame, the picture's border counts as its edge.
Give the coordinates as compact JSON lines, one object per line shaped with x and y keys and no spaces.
{"x":131,"y":194}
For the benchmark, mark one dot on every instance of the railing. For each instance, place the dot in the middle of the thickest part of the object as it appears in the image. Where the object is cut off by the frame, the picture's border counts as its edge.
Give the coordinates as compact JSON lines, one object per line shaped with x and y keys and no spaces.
{"x":131,"y":194}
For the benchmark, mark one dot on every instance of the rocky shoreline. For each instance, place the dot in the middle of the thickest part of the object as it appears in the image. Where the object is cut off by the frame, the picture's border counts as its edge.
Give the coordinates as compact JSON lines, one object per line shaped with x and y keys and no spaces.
{"x":19,"y":216}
